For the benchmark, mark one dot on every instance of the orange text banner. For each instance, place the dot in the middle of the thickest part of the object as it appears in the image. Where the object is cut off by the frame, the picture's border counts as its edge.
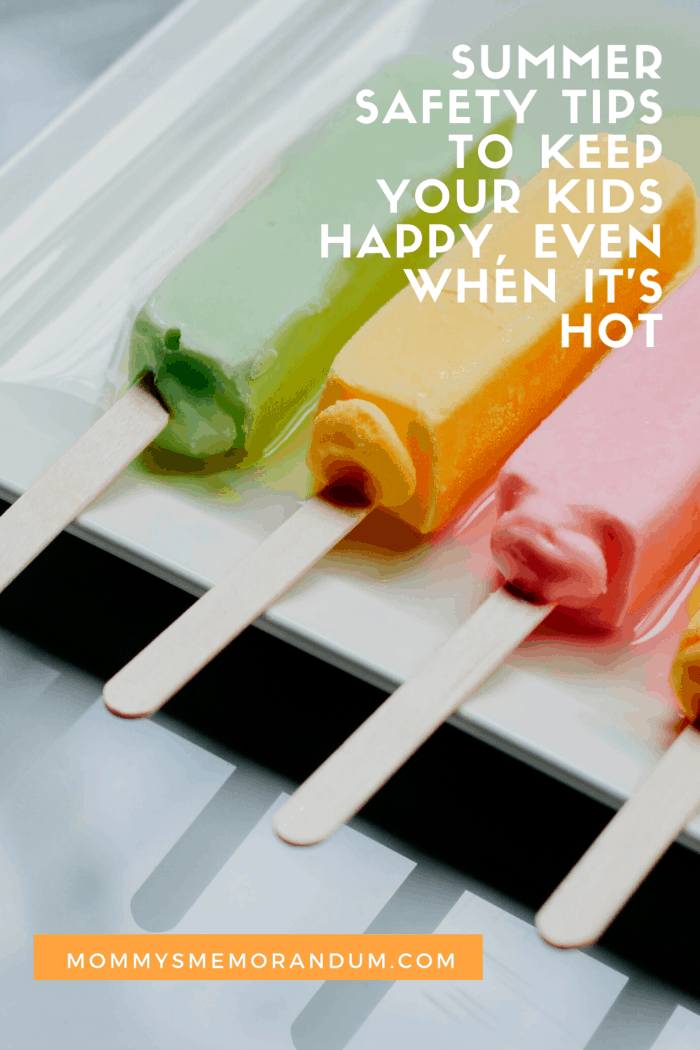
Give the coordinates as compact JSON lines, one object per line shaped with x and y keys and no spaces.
{"x":258,"y":957}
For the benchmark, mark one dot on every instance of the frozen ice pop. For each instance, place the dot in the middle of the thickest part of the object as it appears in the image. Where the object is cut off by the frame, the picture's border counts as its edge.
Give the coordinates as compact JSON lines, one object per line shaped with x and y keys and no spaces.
{"x":235,"y":344}
{"x":598,"y":510}
{"x":685,"y":670}
{"x":460,"y":382}
{"x":240,"y":336}
{"x":607,"y":875}
{"x":600,"y":506}
{"x":428,"y":400}
{"x":603,"y":550}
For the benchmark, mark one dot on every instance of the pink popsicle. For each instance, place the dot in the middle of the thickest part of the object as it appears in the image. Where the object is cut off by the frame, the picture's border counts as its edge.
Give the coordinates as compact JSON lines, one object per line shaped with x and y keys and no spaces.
{"x":600,"y":506}
{"x":598,"y":510}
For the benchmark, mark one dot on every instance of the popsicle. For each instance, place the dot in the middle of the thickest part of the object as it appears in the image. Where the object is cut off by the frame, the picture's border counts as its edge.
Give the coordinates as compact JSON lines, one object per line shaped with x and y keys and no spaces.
{"x":426,"y":402}
{"x":240,"y":336}
{"x":231,"y":351}
{"x":685,"y":670}
{"x":607,"y":875}
{"x":597,"y":509}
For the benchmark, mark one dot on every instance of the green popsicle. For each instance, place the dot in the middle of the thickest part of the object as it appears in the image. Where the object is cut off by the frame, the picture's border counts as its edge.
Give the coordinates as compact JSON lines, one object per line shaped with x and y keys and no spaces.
{"x":240,"y":336}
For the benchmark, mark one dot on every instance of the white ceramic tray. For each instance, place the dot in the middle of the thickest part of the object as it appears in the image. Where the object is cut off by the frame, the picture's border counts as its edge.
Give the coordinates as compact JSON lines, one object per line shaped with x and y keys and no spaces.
{"x":595,"y":718}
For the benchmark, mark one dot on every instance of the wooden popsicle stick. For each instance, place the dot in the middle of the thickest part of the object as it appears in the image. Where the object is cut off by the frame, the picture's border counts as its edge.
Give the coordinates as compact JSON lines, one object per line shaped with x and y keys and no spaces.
{"x":188,"y":644}
{"x":595,"y":890}
{"x":381,"y":745}
{"x":77,"y":478}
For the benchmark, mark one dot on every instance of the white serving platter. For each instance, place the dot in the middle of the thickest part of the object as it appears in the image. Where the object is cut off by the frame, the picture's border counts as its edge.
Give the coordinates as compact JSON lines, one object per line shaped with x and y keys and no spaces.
{"x":596,"y":718}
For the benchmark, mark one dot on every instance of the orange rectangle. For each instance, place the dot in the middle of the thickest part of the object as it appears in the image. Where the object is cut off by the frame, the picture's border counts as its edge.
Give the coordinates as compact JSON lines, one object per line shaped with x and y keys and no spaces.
{"x":258,"y":957}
